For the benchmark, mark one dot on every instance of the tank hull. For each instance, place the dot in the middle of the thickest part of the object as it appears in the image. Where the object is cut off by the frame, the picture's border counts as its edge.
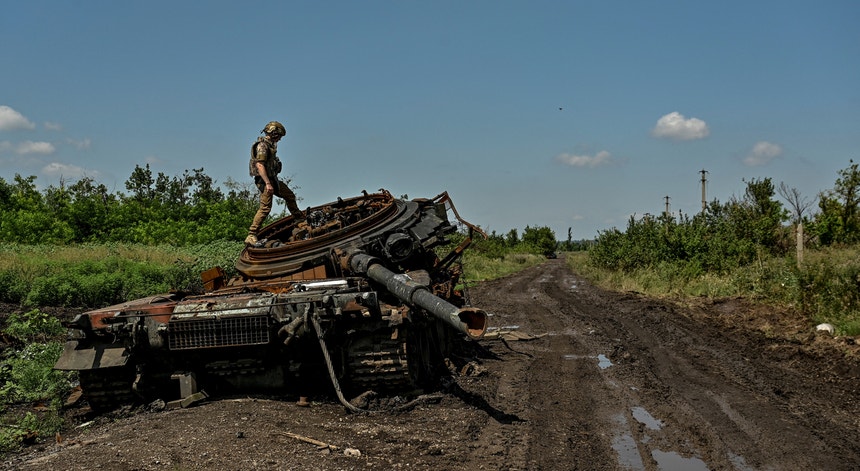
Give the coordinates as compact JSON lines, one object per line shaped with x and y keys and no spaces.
{"x":354,"y":298}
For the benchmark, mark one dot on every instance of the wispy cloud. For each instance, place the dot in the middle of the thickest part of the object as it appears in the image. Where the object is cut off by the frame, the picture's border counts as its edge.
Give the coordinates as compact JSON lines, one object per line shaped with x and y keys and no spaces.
{"x":30,"y":147}
{"x":675,"y":126}
{"x":82,"y":144}
{"x":762,"y":153}
{"x":601,"y":158}
{"x":53,"y":126}
{"x":56,"y":169}
{"x":11,"y":120}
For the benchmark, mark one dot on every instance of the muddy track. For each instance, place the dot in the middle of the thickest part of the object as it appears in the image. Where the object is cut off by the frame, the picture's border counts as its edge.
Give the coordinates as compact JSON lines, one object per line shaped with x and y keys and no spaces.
{"x":611,"y":381}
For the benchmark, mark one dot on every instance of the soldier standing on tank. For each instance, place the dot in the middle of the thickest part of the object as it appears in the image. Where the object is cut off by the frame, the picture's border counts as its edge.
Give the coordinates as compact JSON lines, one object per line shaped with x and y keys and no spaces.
{"x":265,"y":167}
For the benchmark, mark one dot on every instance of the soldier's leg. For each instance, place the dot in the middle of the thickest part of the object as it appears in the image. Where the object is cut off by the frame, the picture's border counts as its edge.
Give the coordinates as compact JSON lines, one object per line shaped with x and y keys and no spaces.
{"x":262,"y":214}
{"x":287,"y":194}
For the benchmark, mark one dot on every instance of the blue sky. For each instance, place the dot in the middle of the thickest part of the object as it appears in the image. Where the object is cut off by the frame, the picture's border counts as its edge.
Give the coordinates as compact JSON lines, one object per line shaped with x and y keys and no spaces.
{"x":567,"y":114}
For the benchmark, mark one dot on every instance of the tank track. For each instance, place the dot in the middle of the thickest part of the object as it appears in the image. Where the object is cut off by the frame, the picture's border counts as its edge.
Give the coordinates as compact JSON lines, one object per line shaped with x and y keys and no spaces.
{"x":108,"y":388}
{"x":377,"y":362}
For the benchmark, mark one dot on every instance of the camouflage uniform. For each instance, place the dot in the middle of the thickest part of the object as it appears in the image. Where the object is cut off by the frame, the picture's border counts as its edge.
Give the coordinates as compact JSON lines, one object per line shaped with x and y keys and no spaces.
{"x":265,"y":151}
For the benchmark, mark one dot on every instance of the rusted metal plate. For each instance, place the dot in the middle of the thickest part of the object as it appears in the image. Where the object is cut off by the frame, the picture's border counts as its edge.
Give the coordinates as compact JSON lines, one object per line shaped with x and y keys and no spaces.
{"x":90,"y":358}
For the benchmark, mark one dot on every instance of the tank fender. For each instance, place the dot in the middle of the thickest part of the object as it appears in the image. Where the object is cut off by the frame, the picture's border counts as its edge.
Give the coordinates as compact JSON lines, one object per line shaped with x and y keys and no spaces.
{"x":77,"y":357}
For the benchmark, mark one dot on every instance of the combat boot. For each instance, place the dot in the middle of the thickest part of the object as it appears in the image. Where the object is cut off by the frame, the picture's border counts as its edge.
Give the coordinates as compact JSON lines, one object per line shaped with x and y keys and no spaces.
{"x":298,"y":215}
{"x":251,"y":239}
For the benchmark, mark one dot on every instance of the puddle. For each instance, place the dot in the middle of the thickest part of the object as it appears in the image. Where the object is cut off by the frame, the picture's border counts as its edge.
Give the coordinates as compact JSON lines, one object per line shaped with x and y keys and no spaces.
{"x":740,"y":463}
{"x":642,"y":415}
{"x":625,"y":446}
{"x":671,"y":461}
{"x":603,"y":362}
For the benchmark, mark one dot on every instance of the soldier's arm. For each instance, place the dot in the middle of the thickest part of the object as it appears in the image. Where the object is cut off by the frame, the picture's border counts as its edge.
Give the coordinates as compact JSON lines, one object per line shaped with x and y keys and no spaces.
{"x":259,"y":162}
{"x":261,"y":169}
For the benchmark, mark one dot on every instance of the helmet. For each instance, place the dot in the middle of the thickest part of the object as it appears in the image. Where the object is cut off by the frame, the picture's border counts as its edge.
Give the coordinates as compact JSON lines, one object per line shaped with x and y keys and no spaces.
{"x":275,"y":127}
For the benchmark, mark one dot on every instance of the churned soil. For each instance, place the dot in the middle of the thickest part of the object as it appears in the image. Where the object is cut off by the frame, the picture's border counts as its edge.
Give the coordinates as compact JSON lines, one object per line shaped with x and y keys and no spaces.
{"x":575,"y":377}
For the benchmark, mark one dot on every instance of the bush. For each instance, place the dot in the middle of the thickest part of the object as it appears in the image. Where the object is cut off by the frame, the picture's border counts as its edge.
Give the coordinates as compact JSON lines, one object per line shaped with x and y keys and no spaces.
{"x":828,"y":287}
{"x":13,"y":288}
{"x":96,"y":283}
{"x":34,"y":326}
{"x":29,"y":375}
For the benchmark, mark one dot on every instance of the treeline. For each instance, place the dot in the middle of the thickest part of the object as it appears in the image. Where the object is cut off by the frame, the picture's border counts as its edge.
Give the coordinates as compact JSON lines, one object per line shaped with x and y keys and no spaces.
{"x":181,"y":210}
{"x":160,"y":210}
{"x":538,"y":240}
{"x":725,"y":236}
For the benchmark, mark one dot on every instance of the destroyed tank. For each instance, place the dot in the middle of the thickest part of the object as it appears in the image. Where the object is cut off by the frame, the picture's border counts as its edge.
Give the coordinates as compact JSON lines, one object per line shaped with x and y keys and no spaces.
{"x":353,"y":297}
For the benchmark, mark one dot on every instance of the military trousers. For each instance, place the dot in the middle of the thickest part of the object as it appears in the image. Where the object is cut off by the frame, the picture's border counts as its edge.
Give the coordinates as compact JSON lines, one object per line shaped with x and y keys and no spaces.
{"x":282,"y":191}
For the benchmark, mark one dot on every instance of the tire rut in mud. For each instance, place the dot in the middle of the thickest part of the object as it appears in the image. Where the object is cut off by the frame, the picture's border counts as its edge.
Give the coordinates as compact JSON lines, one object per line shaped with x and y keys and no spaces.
{"x":624,"y":382}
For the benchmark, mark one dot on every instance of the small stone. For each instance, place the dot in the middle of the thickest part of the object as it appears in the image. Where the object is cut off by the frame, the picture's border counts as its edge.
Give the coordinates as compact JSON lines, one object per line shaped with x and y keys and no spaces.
{"x":825,"y":328}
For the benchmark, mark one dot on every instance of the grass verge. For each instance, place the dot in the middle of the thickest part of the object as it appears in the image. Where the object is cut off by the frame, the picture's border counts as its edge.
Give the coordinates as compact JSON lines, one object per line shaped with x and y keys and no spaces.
{"x":825,"y":287}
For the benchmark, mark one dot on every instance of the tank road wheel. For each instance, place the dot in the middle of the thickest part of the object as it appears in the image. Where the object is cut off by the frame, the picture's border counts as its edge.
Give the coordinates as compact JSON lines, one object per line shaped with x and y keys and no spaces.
{"x":376,"y":362}
{"x":108,"y":388}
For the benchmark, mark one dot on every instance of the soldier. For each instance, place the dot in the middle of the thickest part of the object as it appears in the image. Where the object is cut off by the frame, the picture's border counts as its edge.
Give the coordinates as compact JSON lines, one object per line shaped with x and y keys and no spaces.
{"x":265,"y":167}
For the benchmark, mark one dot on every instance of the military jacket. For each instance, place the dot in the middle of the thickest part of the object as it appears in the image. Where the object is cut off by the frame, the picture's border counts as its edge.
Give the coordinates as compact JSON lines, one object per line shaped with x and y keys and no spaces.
{"x":266,"y":152}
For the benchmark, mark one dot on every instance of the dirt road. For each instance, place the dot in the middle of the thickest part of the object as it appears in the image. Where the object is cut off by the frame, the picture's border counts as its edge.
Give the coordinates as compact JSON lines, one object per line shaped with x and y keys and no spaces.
{"x":612,"y":381}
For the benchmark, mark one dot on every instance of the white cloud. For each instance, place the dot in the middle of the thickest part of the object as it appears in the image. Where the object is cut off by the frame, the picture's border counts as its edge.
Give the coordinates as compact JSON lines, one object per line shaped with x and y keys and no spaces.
{"x":11,"y":120}
{"x":56,"y":169}
{"x":80,"y":145}
{"x":53,"y":126}
{"x":30,"y":147}
{"x":601,"y":158}
{"x":675,"y":126}
{"x":762,"y":153}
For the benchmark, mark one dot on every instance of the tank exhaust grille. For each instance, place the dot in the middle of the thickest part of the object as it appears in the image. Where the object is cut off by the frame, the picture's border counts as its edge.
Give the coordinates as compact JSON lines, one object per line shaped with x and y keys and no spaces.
{"x":219,"y":332}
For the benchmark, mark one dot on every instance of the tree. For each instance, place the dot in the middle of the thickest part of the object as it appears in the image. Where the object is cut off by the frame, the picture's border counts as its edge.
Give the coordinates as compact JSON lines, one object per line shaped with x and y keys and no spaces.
{"x":140,"y":183}
{"x":512,"y":239}
{"x":799,"y":205}
{"x":541,"y":239}
{"x":839,"y":218}
{"x":205,"y":190}
{"x":847,"y":189}
{"x":758,"y":215}
{"x":568,"y":245}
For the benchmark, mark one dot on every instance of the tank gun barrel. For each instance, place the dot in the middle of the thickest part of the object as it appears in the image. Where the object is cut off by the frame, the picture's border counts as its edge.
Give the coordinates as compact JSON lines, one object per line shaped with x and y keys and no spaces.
{"x":470,"y":321}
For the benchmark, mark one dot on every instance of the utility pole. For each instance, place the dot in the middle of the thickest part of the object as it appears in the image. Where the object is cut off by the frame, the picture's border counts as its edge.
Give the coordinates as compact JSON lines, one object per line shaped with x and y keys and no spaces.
{"x":704,"y":180}
{"x":667,"y":216}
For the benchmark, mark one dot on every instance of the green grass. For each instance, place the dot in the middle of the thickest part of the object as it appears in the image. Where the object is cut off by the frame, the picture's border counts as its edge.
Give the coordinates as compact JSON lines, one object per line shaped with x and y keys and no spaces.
{"x":29,"y":258}
{"x":479,"y":268}
{"x":93,"y":275}
{"x":825,"y":287}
